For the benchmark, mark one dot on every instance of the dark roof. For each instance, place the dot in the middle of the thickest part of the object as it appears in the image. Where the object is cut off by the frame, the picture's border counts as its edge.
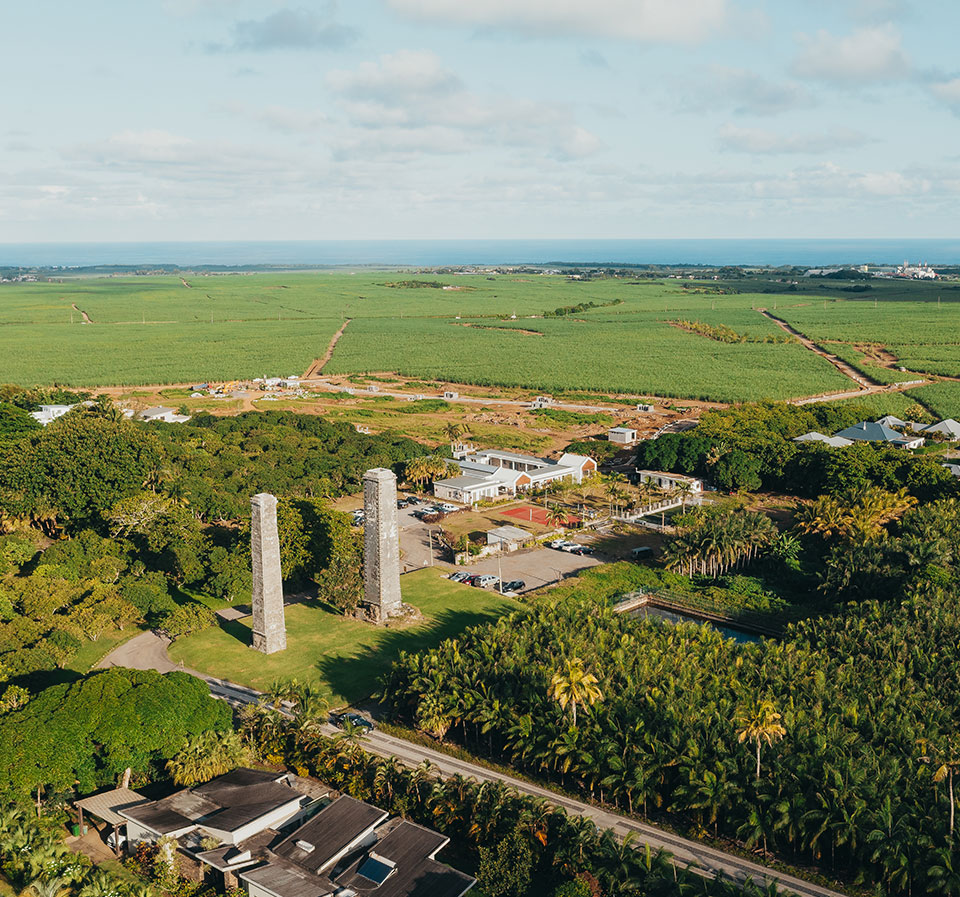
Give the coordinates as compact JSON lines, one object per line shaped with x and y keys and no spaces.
{"x":329,"y":833}
{"x":227,"y":803}
{"x":158,"y":817}
{"x":409,"y":848}
{"x":286,"y":880}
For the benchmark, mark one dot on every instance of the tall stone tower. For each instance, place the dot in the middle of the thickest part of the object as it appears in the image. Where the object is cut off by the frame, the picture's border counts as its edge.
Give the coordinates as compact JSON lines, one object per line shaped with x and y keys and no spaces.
{"x":381,"y":544}
{"x":269,"y":629}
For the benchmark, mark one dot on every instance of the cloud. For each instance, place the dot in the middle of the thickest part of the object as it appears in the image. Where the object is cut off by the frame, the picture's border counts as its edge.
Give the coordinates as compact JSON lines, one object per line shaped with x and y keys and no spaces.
{"x":418,"y":106}
{"x":289,"y":29}
{"x":866,"y":55}
{"x":762,"y":142}
{"x":595,"y":59}
{"x":746,"y":92}
{"x":404,"y":74}
{"x":654,"y":21}
{"x":947,"y":92}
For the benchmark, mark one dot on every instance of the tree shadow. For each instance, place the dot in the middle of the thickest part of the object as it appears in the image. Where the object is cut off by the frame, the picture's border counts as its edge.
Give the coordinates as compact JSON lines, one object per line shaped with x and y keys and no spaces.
{"x":356,"y":675}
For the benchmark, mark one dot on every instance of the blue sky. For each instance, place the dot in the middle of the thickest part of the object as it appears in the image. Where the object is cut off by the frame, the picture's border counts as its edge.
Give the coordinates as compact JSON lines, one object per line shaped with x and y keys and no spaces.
{"x":378,"y":119}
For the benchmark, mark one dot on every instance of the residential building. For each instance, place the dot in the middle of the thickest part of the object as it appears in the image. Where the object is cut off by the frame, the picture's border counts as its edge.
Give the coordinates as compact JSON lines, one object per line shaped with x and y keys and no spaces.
{"x":350,"y":848}
{"x":670,"y":481}
{"x":49,"y":413}
{"x":168,"y":415}
{"x":622,"y":435}
{"x":948,"y":428}
{"x":867,"y":431}
{"x":833,"y":441}
{"x":231,"y":808}
{"x":489,"y":474}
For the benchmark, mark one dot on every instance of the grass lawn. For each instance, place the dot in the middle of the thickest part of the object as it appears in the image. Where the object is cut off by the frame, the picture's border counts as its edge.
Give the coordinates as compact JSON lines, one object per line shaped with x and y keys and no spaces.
{"x":344,"y":658}
{"x":92,"y":652}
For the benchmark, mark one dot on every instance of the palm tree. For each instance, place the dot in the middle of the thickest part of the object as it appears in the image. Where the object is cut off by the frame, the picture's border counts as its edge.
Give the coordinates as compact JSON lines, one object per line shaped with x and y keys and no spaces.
{"x":760,"y":723}
{"x":946,"y":762}
{"x":206,"y":756}
{"x":455,"y":432}
{"x":574,"y":685}
{"x":556,"y":516}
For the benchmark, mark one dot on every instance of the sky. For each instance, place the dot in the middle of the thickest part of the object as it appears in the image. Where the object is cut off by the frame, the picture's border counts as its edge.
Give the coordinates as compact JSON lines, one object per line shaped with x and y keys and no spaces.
{"x":476,"y":119}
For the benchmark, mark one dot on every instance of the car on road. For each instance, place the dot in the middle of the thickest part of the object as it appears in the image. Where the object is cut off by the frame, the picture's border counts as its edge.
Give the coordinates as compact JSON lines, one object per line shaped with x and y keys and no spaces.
{"x":484,"y":581}
{"x":459,"y":576}
{"x":515,"y":585}
{"x":338,"y":719}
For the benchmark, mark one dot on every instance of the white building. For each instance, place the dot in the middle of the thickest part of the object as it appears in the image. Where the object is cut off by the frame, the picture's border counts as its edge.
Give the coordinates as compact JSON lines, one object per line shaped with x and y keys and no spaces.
{"x":622,"y":435}
{"x":49,"y":413}
{"x":668,"y":481}
{"x":490,"y":474}
{"x":167,"y":415}
{"x":833,"y":441}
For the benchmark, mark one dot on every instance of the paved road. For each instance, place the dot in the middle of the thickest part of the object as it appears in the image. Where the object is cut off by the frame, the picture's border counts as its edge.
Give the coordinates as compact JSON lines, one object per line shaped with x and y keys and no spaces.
{"x":149,"y":651}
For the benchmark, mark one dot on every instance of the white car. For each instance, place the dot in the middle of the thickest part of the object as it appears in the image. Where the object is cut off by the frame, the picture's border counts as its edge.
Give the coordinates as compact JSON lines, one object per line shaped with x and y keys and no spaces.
{"x":485,"y":581}
{"x":557,"y":543}
{"x":448,"y":508}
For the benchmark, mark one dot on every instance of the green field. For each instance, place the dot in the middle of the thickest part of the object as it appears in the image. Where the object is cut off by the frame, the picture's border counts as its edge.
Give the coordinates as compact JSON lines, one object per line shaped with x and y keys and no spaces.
{"x":153,"y":329}
{"x":344,"y":658}
{"x":923,"y":335}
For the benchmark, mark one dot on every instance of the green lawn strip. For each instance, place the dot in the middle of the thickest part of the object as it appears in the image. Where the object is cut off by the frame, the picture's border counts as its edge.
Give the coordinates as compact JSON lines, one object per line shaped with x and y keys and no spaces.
{"x":91,"y":653}
{"x":342,"y":657}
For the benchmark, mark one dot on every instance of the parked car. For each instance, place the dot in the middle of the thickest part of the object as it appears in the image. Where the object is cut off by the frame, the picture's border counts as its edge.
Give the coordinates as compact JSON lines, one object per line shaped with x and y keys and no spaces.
{"x":484,"y":580}
{"x":581,"y":550}
{"x":557,"y":543}
{"x":459,"y":576}
{"x":515,"y":585}
{"x":413,"y":500}
{"x":448,"y":508}
{"x":356,"y":719}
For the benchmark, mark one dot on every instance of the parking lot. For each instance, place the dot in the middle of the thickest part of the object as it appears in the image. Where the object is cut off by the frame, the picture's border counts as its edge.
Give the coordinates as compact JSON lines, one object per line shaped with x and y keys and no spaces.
{"x":536,"y":567}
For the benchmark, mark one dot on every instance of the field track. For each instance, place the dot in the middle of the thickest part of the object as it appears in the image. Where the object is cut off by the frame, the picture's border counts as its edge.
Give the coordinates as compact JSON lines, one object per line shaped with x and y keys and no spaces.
{"x":86,"y":317}
{"x":318,"y":365}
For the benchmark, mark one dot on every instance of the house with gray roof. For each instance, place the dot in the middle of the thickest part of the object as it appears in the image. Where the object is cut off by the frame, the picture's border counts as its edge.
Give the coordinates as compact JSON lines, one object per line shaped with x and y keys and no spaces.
{"x":832,"y":441}
{"x":868,"y":431}
{"x":948,"y":428}
{"x":351,"y":848}
{"x":230,"y":808}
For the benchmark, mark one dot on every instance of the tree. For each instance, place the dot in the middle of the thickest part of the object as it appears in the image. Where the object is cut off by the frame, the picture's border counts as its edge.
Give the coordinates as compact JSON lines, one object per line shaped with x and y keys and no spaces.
{"x":207,"y":756}
{"x":573,"y":685}
{"x":341,"y":583}
{"x":506,"y":869}
{"x":556,"y":516}
{"x":761,"y":724}
{"x":945,"y":761}
{"x":187,"y":618}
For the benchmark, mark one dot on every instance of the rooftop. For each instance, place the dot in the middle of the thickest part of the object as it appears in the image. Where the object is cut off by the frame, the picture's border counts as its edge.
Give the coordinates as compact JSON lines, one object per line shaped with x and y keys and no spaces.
{"x":320,"y":841}
{"x":227,"y":803}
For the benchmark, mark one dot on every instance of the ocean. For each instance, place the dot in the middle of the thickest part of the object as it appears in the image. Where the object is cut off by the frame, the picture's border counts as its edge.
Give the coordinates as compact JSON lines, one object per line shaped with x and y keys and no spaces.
{"x":426,"y":253}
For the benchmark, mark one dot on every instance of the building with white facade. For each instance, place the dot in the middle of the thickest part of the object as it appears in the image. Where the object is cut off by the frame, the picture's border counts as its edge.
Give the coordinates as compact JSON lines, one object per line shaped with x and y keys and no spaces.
{"x":490,"y":474}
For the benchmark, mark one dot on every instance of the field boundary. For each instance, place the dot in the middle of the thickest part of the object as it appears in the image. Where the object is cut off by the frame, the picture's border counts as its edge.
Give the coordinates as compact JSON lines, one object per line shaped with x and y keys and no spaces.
{"x":320,"y":363}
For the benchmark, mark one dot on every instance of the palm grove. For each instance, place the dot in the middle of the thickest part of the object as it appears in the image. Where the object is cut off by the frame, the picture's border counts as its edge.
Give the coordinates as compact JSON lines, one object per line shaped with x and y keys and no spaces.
{"x":834,"y":745}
